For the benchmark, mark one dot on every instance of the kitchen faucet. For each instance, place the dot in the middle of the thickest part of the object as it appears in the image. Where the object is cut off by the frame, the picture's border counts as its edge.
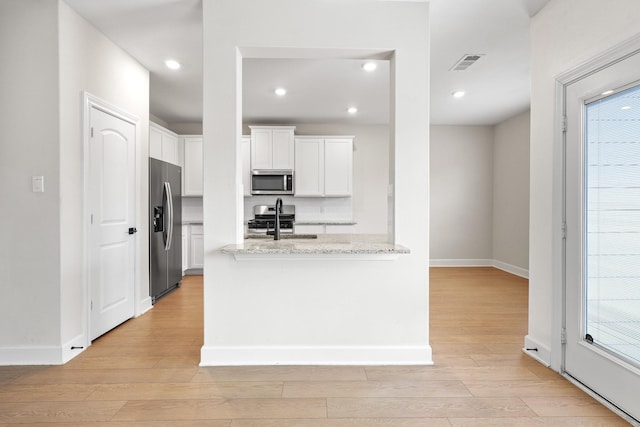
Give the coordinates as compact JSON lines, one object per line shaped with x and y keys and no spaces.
{"x":276,"y":230}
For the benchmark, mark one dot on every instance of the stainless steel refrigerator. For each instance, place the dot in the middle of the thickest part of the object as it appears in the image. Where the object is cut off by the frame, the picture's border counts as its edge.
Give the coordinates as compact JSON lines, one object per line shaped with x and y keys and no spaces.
{"x":165,"y":228}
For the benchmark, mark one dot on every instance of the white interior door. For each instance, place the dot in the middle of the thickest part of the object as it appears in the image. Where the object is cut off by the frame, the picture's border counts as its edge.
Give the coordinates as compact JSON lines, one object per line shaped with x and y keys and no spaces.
{"x":111,"y":194}
{"x":602,"y":196}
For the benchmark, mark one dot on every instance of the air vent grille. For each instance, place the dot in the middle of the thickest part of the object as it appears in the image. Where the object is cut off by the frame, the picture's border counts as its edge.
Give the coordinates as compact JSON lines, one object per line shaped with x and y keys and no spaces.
{"x":465,"y":62}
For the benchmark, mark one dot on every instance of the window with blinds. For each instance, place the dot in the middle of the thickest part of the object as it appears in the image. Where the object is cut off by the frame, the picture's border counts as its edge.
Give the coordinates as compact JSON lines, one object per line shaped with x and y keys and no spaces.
{"x":612,"y":179}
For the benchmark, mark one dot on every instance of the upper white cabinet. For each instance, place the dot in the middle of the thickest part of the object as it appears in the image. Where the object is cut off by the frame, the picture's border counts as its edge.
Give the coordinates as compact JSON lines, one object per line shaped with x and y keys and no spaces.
{"x":246,"y":165}
{"x":192,"y":175}
{"x":163,"y":144}
{"x":272,"y":147}
{"x":324,"y":166}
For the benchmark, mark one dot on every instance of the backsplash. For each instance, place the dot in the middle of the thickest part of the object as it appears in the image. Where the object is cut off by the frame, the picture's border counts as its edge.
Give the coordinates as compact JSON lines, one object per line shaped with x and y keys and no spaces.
{"x":192,"y":209}
{"x":307,"y":208}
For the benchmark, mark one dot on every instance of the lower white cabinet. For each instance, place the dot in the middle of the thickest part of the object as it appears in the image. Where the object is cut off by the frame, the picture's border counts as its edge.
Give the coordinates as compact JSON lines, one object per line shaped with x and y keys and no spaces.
{"x":196,"y":246}
{"x":192,"y":247}
{"x":185,"y":248}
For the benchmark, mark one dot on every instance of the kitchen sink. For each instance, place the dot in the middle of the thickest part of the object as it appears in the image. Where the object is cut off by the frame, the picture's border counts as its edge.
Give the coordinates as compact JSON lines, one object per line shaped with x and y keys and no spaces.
{"x":282,"y":236}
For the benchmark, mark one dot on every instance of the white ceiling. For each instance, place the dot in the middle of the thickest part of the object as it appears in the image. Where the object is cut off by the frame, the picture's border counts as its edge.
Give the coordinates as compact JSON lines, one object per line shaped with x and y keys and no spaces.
{"x":497,"y":86}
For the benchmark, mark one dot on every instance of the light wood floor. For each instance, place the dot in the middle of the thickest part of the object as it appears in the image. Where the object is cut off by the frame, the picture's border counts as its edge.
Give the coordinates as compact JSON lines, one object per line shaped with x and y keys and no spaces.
{"x":145,"y":373}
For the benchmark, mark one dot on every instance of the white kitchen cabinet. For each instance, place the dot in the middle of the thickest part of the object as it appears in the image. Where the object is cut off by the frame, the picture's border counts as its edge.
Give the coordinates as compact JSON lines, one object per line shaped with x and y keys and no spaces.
{"x":185,"y":248}
{"x":192,"y":176}
{"x":309,"y":167}
{"x":272,"y":147}
{"x":163,"y":144}
{"x":196,"y":246}
{"x":323,"y":166}
{"x":246,"y":165}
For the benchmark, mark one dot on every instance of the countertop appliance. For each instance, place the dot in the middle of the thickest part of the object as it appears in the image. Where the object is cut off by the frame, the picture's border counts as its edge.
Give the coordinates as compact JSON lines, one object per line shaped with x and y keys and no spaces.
{"x":165,"y":228}
{"x":267,"y":181}
{"x":265,"y":219}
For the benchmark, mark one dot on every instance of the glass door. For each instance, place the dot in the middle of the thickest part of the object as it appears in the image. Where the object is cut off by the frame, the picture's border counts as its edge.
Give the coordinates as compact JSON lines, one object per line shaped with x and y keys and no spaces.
{"x":602,"y":210}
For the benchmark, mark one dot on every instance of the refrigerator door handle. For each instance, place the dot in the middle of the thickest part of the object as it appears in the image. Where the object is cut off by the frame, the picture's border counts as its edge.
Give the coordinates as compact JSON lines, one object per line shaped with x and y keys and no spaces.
{"x":167,"y":189}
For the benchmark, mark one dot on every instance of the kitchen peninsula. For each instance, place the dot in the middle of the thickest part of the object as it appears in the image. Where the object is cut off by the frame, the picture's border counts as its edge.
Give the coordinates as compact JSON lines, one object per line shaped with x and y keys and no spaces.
{"x":322,"y":246}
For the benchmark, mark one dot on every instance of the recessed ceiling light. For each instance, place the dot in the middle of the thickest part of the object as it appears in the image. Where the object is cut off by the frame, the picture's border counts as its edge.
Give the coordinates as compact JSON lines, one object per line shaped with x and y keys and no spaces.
{"x":172,"y":64}
{"x":458,"y":94}
{"x":626,"y":107}
{"x":607,"y":92}
{"x":280,"y":91}
{"x":352,"y":110}
{"x":369,"y":66}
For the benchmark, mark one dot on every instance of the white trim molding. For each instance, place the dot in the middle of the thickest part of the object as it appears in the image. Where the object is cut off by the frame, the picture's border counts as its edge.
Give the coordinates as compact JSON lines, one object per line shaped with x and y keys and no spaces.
{"x":321,"y":355}
{"x":534,"y":349}
{"x":513,"y":269}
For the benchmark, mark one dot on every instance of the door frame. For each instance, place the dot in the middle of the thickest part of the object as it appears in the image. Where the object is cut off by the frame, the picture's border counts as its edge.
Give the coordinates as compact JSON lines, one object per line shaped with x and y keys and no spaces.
{"x":90,"y":101}
{"x":607,"y":58}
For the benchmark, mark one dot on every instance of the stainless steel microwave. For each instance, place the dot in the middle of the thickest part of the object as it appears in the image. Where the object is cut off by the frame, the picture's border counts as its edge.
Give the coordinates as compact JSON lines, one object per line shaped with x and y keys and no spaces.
{"x":266,"y":181}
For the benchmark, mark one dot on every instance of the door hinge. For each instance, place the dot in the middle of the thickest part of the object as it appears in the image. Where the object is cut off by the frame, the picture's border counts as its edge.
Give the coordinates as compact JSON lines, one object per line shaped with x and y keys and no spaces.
{"x":91,"y":305}
{"x":564,"y":123}
{"x":563,"y":336}
{"x":564,"y":230}
{"x":91,"y":219}
{"x":91,"y":132}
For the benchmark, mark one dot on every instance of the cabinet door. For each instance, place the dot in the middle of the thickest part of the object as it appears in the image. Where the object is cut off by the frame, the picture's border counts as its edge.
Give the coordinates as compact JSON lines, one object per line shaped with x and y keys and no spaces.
{"x":196,"y":247}
{"x":192,"y":174}
{"x":261,"y":149}
{"x":185,"y":248}
{"x":197,"y":252}
{"x":155,"y":143}
{"x":170,"y":148}
{"x":246,"y":165}
{"x":338,"y":157}
{"x":282,"y":140}
{"x":309,"y":171}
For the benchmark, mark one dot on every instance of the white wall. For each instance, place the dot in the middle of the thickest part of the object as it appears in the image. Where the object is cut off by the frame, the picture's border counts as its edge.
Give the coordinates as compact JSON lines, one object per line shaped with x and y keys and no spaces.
{"x":461,"y":226}
{"x":55,"y":55}
{"x":559,"y":42}
{"x":91,"y":62}
{"x":511,"y":194}
{"x":314,"y":311}
{"x":29,"y":222}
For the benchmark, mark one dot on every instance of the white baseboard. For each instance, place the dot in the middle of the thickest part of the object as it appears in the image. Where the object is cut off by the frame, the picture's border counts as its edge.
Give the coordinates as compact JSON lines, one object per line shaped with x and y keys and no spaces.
{"x":518,"y":271}
{"x":539,"y":352}
{"x":41,"y":355}
{"x":461,"y":263}
{"x":144,"y":306}
{"x":73,"y":347}
{"x":292,"y":355}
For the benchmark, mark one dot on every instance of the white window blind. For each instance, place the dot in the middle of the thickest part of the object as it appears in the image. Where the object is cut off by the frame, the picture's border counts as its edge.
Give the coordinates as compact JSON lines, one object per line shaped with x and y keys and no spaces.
{"x":612,"y":180}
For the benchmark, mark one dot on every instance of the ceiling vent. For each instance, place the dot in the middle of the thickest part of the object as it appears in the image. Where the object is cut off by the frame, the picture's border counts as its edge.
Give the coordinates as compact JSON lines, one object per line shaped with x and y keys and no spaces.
{"x":465,"y":62}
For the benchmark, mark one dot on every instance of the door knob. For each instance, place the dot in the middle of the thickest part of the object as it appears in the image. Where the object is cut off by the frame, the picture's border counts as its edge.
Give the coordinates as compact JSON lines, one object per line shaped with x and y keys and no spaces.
{"x":133,"y":230}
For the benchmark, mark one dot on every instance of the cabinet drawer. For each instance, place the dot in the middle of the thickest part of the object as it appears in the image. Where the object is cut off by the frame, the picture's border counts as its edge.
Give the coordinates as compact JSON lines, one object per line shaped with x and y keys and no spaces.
{"x":197,"y":229}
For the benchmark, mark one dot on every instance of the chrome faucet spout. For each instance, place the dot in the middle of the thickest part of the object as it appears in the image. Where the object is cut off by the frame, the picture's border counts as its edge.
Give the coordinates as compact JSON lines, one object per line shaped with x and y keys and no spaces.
{"x":276,"y":231}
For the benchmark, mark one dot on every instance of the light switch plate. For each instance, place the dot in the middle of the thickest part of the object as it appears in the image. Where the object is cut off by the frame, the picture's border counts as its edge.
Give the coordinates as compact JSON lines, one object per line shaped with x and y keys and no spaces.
{"x":37,"y":184}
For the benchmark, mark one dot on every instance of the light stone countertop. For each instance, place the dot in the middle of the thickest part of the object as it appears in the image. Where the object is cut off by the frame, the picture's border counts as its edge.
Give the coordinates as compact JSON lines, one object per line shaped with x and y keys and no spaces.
{"x":325,"y":245}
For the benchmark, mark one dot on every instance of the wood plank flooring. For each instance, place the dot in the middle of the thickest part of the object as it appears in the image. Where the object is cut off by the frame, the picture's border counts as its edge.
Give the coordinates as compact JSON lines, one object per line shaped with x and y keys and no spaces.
{"x":146,"y":373}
